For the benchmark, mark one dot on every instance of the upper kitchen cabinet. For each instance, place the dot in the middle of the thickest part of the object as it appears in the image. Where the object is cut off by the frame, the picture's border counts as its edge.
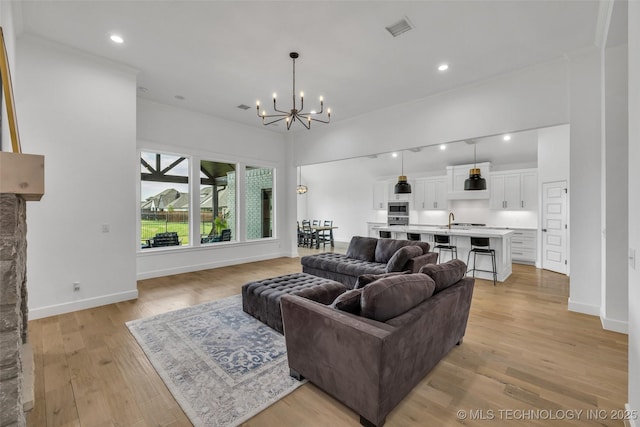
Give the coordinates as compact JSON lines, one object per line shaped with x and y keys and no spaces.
{"x":380,"y":195}
{"x":456,"y":175}
{"x":514,"y":190}
{"x":431,"y":193}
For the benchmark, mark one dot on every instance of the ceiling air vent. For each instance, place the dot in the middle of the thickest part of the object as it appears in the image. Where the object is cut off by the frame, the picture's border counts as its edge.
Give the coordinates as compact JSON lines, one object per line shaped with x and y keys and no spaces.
{"x":400,"y":27}
{"x":243,"y":107}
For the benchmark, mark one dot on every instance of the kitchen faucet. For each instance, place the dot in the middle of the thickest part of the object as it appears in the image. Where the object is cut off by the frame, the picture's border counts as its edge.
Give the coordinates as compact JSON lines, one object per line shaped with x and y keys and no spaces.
{"x":451,"y":218}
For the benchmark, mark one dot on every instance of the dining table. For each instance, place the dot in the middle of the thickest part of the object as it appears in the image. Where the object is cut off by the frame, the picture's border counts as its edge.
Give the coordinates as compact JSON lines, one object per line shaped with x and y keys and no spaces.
{"x":318,"y":228}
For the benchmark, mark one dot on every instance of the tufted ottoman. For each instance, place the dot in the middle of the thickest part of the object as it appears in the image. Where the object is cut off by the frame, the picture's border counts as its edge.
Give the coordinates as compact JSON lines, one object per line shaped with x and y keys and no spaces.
{"x":262,"y":299}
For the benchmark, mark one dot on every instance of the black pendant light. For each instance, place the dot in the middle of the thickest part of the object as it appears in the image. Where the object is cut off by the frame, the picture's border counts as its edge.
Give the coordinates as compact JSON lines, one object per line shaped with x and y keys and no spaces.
{"x":402,"y":187}
{"x":475,"y":180}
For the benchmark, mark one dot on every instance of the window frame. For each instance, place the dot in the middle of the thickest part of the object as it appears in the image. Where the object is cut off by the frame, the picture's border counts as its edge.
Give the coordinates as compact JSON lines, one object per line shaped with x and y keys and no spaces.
{"x":194,"y":157}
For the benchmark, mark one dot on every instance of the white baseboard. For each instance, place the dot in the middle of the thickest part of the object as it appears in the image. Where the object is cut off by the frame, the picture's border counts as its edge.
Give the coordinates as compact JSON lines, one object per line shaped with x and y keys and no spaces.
{"x":578,"y":307}
{"x":68,"y":307}
{"x":208,"y":265}
{"x":613,"y":324}
{"x":631,"y":422}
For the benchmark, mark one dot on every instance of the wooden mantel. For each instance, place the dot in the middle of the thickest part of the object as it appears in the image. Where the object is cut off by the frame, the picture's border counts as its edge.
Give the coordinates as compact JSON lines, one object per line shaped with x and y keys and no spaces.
{"x":22,"y":174}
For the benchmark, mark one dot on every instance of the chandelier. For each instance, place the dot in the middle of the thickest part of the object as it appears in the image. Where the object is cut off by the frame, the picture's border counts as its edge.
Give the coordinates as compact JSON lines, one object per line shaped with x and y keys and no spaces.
{"x":301,"y":189}
{"x":296,"y":114}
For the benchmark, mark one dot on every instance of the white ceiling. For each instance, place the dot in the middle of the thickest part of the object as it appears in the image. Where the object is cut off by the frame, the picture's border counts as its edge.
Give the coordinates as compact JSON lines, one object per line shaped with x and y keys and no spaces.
{"x":219,"y":54}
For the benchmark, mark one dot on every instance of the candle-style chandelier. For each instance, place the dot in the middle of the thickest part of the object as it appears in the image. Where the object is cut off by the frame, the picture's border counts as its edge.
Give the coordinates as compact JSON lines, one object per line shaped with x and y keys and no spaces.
{"x":305,"y":118}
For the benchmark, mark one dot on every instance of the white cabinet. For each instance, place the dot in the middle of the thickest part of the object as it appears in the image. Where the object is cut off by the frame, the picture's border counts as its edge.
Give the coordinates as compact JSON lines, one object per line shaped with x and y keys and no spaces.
{"x":529,"y":191}
{"x":380,"y":195}
{"x":456,"y":176}
{"x":514,"y":190}
{"x":523,"y":246}
{"x":431,"y":193}
{"x":384,"y":192}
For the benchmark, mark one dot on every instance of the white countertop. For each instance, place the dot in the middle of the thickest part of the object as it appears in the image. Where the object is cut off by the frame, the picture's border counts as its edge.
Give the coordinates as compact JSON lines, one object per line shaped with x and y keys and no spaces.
{"x":470,"y":231}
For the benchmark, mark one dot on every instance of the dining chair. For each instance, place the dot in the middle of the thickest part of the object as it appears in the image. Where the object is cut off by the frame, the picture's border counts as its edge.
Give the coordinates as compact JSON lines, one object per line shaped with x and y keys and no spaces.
{"x":325,"y":236}
{"x":308,"y":235}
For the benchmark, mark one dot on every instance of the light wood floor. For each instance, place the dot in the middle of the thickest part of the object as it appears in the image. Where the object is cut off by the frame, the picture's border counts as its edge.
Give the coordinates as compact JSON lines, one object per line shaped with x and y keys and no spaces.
{"x":522,"y":351}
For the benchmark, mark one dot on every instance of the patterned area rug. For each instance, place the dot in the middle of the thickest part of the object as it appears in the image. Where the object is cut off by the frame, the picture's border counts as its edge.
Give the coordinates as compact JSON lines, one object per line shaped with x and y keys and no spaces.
{"x":221,"y":365}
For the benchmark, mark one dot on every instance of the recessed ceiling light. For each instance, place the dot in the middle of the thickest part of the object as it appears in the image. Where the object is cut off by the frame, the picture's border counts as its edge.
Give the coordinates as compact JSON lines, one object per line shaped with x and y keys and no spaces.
{"x":180,"y":97}
{"x":394,"y":154}
{"x":116,"y":38}
{"x":443,"y":147}
{"x":507,"y":137}
{"x":443,"y":67}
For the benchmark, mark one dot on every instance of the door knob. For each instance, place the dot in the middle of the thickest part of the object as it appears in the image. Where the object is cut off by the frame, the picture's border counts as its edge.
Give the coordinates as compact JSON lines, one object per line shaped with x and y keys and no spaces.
{"x":544,"y":230}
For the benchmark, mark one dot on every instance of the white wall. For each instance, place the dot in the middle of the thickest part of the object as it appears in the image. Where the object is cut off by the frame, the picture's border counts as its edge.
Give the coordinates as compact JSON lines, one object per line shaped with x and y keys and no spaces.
{"x":79,"y":112}
{"x":553,"y":154}
{"x":170,"y":129}
{"x":614,"y":309}
{"x":8,"y":32}
{"x":343,"y":192}
{"x":585,"y":170}
{"x":634,"y":208}
{"x":527,"y":99}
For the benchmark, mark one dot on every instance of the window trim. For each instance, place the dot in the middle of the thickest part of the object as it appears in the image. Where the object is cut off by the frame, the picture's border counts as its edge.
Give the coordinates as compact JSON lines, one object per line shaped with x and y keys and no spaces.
{"x":195,"y":156}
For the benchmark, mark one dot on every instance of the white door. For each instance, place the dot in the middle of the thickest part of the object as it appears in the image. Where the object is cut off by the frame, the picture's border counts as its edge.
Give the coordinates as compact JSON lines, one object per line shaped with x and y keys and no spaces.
{"x":554,"y":226}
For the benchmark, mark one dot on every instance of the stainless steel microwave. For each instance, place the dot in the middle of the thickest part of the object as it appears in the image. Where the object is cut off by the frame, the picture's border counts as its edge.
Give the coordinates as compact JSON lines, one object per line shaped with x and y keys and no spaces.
{"x":398,"y":209}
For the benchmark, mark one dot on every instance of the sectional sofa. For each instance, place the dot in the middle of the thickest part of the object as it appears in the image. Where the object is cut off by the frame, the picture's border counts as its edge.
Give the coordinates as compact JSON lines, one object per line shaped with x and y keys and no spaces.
{"x":369,"y":255}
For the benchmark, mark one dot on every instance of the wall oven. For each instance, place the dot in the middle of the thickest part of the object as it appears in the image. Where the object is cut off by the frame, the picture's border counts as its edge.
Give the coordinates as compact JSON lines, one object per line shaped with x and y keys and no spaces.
{"x":398,"y":213}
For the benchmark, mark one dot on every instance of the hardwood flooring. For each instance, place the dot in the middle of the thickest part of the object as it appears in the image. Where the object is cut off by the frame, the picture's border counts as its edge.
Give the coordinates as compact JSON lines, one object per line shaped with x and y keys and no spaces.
{"x":525,"y":361}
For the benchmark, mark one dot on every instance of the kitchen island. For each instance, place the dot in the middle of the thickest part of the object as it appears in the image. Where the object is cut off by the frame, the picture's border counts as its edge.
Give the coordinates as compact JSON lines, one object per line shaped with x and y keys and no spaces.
{"x":500,"y":240}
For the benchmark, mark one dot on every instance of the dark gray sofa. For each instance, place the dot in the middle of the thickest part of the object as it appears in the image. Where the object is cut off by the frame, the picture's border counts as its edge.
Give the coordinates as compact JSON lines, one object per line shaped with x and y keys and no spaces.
{"x":369,"y":255}
{"x":370,"y":365}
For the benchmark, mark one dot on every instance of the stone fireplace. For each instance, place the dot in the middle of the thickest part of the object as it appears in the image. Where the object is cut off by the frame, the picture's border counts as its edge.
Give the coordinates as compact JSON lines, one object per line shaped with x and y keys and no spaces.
{"x":13,"y":306}
{"x":21,"y":179}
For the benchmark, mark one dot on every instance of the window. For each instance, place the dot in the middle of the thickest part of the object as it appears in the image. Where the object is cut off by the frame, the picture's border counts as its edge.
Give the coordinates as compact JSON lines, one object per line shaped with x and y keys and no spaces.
{"x":217,"y":202}
{"x":259,"y":202}
{"x":164,"y":204}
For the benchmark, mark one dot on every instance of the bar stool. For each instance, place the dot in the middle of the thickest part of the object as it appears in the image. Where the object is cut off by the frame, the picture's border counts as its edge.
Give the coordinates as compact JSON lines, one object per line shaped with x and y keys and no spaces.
{"x":443,"y":243}
{"x":385,"y":234}
{"x":480,"y":246}
{"x":415,"y":237}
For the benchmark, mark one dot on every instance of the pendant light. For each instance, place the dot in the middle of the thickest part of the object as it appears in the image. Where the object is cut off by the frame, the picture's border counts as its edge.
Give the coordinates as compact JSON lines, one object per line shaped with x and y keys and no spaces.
{"x":475,"y":180}
{"x":402,"y":187}
{"x":301,"y":189}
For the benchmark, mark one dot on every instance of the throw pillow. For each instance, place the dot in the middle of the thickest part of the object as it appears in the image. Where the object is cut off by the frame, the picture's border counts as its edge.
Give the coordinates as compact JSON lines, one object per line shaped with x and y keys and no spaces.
{"x":391,"y":296}
{"x":348,"y":301}
{"x":401,"y":257}
{"x":364,"y":279}
{"x":362,"y":248}
{"x":445,"y":274}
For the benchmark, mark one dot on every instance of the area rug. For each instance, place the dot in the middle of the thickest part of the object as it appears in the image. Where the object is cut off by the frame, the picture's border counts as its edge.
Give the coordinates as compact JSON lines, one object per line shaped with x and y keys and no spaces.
{"x":221,"y":365}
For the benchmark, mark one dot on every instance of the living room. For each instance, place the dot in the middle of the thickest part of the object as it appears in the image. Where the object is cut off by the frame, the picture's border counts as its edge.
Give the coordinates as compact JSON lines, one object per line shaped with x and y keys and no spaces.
{"x":87,"y":116}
